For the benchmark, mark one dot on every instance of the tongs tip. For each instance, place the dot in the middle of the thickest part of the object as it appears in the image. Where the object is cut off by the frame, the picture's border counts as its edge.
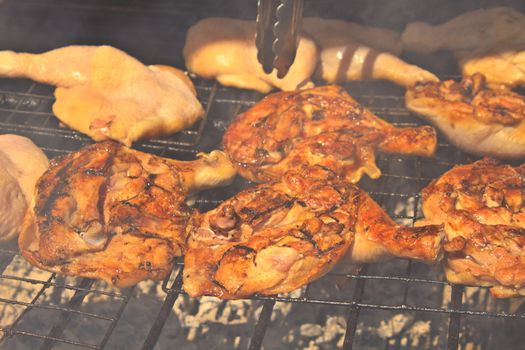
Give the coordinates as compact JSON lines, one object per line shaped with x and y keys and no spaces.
{"x":277,"y":38}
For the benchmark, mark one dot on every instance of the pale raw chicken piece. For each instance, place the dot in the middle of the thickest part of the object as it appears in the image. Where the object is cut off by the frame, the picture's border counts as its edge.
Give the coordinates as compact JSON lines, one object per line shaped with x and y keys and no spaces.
{"x":13,"y":205}
{"x":21,"y":164}
{"x":350,"y":51}
{"x":107,"y":94}
{"x":224,"y":49}
{"x":502,"y":27}
{"x":114,"y":213}
{"x":501,"y":69}
{"x":486,"y":41}
{"x":336,"y":32}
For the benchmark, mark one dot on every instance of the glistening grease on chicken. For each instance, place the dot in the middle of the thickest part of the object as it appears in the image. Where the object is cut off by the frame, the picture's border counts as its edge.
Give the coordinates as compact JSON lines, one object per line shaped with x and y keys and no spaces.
{"x":113,"y":213}
{"x":323,"y":126}
{"x":474,"y":117}
{"x":279,"y":236}
{"x":481,"y":207}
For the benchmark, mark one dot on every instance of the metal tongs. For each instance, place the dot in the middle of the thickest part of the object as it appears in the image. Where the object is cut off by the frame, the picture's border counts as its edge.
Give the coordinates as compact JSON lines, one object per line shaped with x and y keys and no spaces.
{"x":277,"y":38}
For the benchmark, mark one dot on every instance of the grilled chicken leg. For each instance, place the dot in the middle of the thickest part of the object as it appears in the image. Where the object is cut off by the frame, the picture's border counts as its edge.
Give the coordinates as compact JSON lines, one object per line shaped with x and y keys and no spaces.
{"x":319,"y":126}
{"x":279,"y":236}
{"x":107,"y":94}
{"x":114,"y":213}
{"x":481,"y":207}
{"x":475,"y":118}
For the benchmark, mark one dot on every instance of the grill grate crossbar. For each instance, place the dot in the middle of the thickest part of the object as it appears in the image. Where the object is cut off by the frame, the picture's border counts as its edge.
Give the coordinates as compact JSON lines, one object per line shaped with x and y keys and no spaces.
{"x":164,"y":312}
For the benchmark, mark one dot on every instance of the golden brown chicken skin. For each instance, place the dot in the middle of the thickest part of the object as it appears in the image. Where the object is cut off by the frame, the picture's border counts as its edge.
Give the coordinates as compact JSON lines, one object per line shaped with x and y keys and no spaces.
{"x":279,"y":236}
{"x":319,"y":126}
{"x":481,"y":207}
{"x":475,"y":118}
{"x":113,"y":213}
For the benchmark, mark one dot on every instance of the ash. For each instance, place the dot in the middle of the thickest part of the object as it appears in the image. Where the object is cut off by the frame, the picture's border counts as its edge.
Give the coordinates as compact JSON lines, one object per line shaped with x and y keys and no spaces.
{"x":208,"y":322}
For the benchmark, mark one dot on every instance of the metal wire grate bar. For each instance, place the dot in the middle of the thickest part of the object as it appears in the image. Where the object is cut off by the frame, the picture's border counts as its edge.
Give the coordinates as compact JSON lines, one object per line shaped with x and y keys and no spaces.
{"x":454,"y":321}
{"x":451,"y":310}
{"x":262,"y":323}
{"x":67,"y":311}
{"x":66,"y":314}
{"x":164,"y":312}
{"x":353,"y":313}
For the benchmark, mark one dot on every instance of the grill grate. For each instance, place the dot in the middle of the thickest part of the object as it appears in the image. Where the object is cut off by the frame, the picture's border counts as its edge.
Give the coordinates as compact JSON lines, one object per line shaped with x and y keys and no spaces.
{"x":60,"y":312}
{"x":80,"y":289}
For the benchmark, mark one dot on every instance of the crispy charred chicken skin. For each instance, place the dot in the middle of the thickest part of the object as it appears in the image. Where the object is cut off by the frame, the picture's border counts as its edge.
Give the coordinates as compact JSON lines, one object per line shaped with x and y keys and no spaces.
{"x":475,"y":118}
{"x":481,"y":207}
{"x":323,"y":126}
{"x":279,"y":236}
{"x":110,"y":212}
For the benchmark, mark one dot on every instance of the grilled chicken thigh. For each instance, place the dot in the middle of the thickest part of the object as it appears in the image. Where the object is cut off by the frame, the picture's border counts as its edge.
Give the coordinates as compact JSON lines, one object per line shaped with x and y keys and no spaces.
{"x":224,"y":49}
{"x":350,"y":51}
{"x":110,"y":212}
{"x":21,"y":164}
{"x":279,"y":236}
{"x":475,"y":118}
{"x":319,"y":126}
{"x":107,"y":94}
{"x":481,"y":207}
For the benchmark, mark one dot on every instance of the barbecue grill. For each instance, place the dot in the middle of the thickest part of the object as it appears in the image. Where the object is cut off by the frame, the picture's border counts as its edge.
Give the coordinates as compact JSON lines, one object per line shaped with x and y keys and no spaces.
{"x":393,"y":305}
